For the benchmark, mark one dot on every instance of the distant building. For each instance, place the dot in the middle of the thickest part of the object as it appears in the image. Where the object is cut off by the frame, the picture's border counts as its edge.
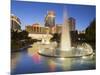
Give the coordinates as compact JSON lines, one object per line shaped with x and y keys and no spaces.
{"x":74,"y":37}
{"x":50,"y":19}
{"x":36,"y":31}
{"x":52,"y":30}
{"x":15,"y":23}
{"x":81,"y":35}
{"x":81,"y":32}
{"x":72,"y":23}
{"x":29,"y":28}
{"x":37,"y":28}
{"x":58,"y":28}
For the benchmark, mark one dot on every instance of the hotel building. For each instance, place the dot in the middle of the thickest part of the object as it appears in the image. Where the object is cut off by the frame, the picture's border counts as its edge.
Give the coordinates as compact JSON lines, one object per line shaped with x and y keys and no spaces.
{"x":50,"y":19}
{"x":37,"y":28}
{"x":15,"y":23}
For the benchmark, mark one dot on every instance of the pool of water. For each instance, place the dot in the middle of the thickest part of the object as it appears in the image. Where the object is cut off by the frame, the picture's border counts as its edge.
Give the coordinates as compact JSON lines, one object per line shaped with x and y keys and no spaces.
{"x":29,"y":61}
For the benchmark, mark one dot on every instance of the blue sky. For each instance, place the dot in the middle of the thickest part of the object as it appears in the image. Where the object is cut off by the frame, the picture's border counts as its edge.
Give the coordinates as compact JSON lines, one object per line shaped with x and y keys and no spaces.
{"x":34,"y":12}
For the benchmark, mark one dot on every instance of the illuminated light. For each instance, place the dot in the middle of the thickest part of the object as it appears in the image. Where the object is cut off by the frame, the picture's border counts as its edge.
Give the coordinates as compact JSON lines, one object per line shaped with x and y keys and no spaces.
{"x":84,"y":57}
{"x":40,"y":51}
{"x":93,"y":53}
{"x":62,"y":58}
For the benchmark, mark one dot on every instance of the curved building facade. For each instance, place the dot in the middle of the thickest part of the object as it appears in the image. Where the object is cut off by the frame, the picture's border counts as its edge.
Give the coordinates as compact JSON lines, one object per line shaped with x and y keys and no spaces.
{"x":15,"y":23}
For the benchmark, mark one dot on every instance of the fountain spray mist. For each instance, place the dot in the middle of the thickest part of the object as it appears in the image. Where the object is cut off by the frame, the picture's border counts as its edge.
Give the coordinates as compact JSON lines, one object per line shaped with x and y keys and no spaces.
{"x":65,"y":34}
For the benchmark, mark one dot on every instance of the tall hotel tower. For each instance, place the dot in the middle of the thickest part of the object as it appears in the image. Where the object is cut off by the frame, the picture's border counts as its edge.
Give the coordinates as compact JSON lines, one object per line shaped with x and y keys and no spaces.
{"x":50,"y":19}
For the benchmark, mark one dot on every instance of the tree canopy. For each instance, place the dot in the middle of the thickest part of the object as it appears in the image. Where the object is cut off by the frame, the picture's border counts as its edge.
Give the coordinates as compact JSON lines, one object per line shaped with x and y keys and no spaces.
{"x":91,"y":31}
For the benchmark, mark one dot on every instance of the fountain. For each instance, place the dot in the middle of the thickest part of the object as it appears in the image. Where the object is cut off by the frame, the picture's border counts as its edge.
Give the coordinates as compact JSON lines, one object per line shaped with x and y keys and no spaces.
{"x":65,"y":50}
{"x":65,"y":36}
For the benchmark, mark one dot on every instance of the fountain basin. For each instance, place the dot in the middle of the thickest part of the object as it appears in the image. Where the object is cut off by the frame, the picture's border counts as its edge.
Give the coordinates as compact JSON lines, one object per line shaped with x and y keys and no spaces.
{"x":79,"y":51}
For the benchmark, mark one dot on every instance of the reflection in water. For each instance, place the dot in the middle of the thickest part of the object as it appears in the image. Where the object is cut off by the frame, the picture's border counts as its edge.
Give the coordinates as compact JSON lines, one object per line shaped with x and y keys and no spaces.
{"x":33,"y":52}
{"x":62,"y":63}
{"x":36,"y":57}
{"x":52,"y":65}
{"x":29,"y":61}
{"x":14,"y":59}
{"x":66,"y":63}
